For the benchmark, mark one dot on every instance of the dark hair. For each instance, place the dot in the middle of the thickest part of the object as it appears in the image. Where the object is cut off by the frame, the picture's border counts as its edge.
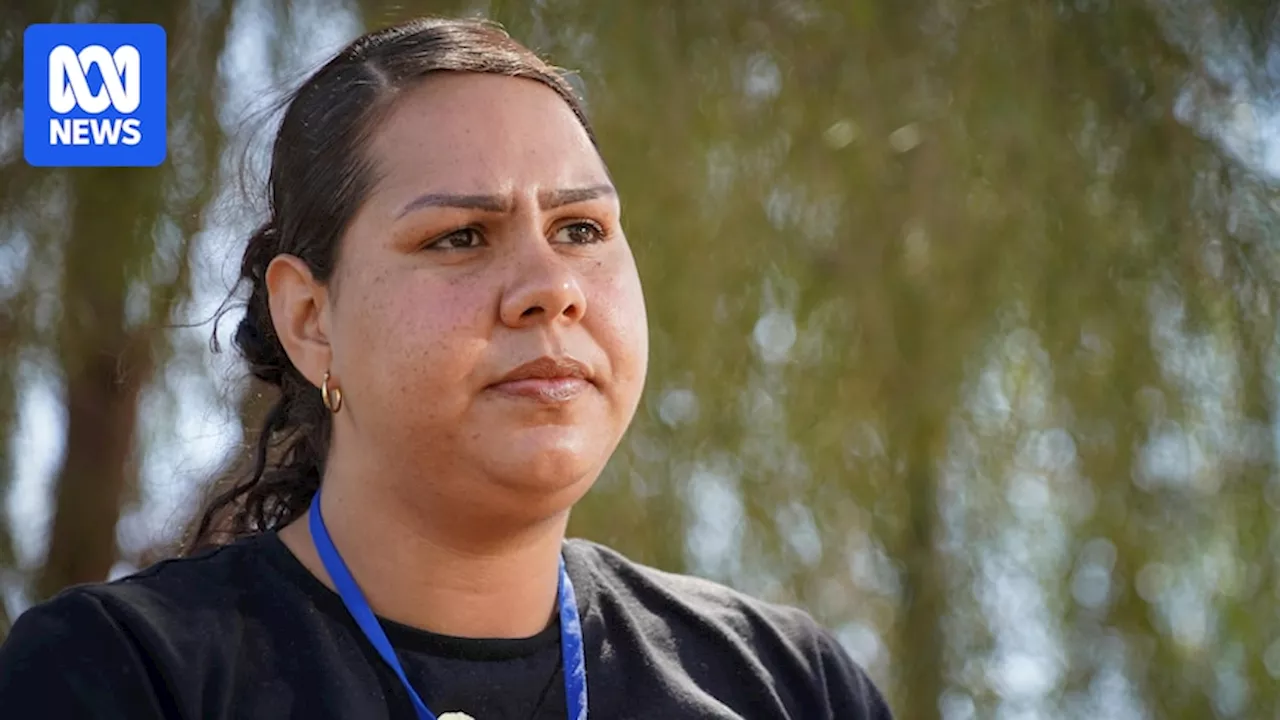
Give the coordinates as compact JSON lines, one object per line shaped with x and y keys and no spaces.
{"x":318,"y":179}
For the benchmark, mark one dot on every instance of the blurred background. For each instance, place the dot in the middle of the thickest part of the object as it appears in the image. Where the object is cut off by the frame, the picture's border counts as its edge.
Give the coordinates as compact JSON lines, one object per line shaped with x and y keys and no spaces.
{"x":964,"y":323}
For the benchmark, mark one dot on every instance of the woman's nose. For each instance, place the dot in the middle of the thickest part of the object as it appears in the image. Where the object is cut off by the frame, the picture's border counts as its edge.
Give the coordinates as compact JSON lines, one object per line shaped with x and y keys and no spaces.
{"x":545,"y":290}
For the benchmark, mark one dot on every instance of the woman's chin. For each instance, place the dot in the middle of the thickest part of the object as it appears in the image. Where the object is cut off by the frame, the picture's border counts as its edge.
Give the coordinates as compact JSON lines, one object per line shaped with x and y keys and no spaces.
{"x":546,"y":460}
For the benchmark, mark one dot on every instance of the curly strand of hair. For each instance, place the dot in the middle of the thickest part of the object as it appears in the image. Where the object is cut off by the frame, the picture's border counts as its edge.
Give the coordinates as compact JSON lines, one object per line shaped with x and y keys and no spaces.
{"x":207,"y":531}
{"x":283,"y":494}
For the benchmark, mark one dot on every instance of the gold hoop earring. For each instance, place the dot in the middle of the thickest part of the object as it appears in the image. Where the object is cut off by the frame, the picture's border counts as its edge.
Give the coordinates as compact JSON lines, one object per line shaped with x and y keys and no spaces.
{"x":332,"y":398}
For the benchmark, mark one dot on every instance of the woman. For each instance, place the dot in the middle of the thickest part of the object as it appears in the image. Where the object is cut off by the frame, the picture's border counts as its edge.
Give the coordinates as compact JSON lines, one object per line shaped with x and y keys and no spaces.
{"x":445,"y":298}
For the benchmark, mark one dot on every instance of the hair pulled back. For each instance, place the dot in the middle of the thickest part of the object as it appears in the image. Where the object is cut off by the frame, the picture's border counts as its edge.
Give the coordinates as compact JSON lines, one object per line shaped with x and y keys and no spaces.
{"x":318,"y":179}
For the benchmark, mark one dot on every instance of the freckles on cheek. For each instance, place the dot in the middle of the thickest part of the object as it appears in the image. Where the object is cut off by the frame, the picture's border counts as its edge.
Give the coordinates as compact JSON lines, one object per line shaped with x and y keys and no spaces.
{"x":370,"y":318}
{"x":433,"y":324}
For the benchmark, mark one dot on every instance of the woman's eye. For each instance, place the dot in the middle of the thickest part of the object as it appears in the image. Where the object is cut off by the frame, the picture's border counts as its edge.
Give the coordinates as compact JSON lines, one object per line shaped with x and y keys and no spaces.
{"x":463,"y":239}
{"x":580,"y":233}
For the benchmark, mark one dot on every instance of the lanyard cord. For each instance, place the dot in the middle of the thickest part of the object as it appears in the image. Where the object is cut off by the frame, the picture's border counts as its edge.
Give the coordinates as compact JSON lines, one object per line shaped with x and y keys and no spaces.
{"x":571,"y":649}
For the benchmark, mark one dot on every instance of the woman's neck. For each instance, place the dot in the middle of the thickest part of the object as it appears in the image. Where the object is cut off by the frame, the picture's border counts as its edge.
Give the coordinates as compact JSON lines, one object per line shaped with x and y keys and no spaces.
{"x":431,"y":573}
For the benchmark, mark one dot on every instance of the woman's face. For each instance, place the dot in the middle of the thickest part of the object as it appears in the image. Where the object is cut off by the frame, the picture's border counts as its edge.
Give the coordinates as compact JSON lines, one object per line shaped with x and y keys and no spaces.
{"x":490,"y":243}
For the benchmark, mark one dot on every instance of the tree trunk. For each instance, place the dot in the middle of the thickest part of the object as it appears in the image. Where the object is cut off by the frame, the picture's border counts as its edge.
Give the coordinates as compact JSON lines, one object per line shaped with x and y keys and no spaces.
{"x":922,"y":665}
{"x":101,"y":402}
{"x":107,"y":356}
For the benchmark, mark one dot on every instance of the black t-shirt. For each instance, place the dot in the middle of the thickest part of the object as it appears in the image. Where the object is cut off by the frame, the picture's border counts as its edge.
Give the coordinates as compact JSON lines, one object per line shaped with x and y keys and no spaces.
{"x":245,"y":631}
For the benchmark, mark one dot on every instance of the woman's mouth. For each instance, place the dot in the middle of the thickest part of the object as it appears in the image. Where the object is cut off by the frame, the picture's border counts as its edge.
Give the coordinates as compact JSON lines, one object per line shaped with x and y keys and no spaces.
{"x":546,"y":379}
{"x":548,"y":390}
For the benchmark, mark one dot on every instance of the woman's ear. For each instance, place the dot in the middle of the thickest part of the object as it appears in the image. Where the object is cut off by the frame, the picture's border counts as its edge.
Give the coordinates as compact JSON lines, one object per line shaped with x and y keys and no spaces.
{"x":300,"y":313}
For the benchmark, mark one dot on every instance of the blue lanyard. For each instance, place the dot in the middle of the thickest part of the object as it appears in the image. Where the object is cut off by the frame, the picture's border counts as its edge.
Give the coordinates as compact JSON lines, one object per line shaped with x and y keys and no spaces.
{"x":575,"y":665}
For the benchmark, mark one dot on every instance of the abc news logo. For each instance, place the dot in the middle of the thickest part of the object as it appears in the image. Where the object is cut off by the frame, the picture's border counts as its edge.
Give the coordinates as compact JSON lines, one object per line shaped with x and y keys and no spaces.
{"x":94,"y":95}
{"x":69,"y":88}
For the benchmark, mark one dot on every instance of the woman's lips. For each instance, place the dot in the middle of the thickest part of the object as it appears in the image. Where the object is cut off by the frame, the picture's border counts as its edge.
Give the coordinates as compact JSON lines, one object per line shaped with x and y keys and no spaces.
{"x":547,"y":379}
{"x":547,"y":390}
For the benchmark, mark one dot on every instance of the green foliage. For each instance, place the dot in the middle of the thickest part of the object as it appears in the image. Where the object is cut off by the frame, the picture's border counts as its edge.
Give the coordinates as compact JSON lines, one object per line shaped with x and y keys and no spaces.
{"x":962,"y":315}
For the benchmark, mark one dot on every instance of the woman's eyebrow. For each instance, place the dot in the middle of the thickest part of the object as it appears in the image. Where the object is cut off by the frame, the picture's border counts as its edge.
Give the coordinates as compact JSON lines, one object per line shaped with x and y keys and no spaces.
{"x":555,"y":198}
{"x":491,"y":203}
{"x":548,"y":199}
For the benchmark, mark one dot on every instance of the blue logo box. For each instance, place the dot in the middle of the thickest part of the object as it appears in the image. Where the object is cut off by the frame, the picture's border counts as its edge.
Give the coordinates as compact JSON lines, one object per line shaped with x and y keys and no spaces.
{"x":94,"y":95}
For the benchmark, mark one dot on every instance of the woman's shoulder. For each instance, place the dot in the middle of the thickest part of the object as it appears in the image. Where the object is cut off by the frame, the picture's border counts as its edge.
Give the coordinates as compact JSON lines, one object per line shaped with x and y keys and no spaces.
{"x":111,"y":646}
{"x":639,"y":588}
{"x":172,"y":597}
{"x":174,"y":584}
{"x":726,"y":639}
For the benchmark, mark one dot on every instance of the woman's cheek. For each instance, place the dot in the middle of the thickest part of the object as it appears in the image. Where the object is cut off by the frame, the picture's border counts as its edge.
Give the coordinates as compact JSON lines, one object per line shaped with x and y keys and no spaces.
{"x":622,"y":304}
{"x":436,"y":327}
{"x":619,"y":328}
